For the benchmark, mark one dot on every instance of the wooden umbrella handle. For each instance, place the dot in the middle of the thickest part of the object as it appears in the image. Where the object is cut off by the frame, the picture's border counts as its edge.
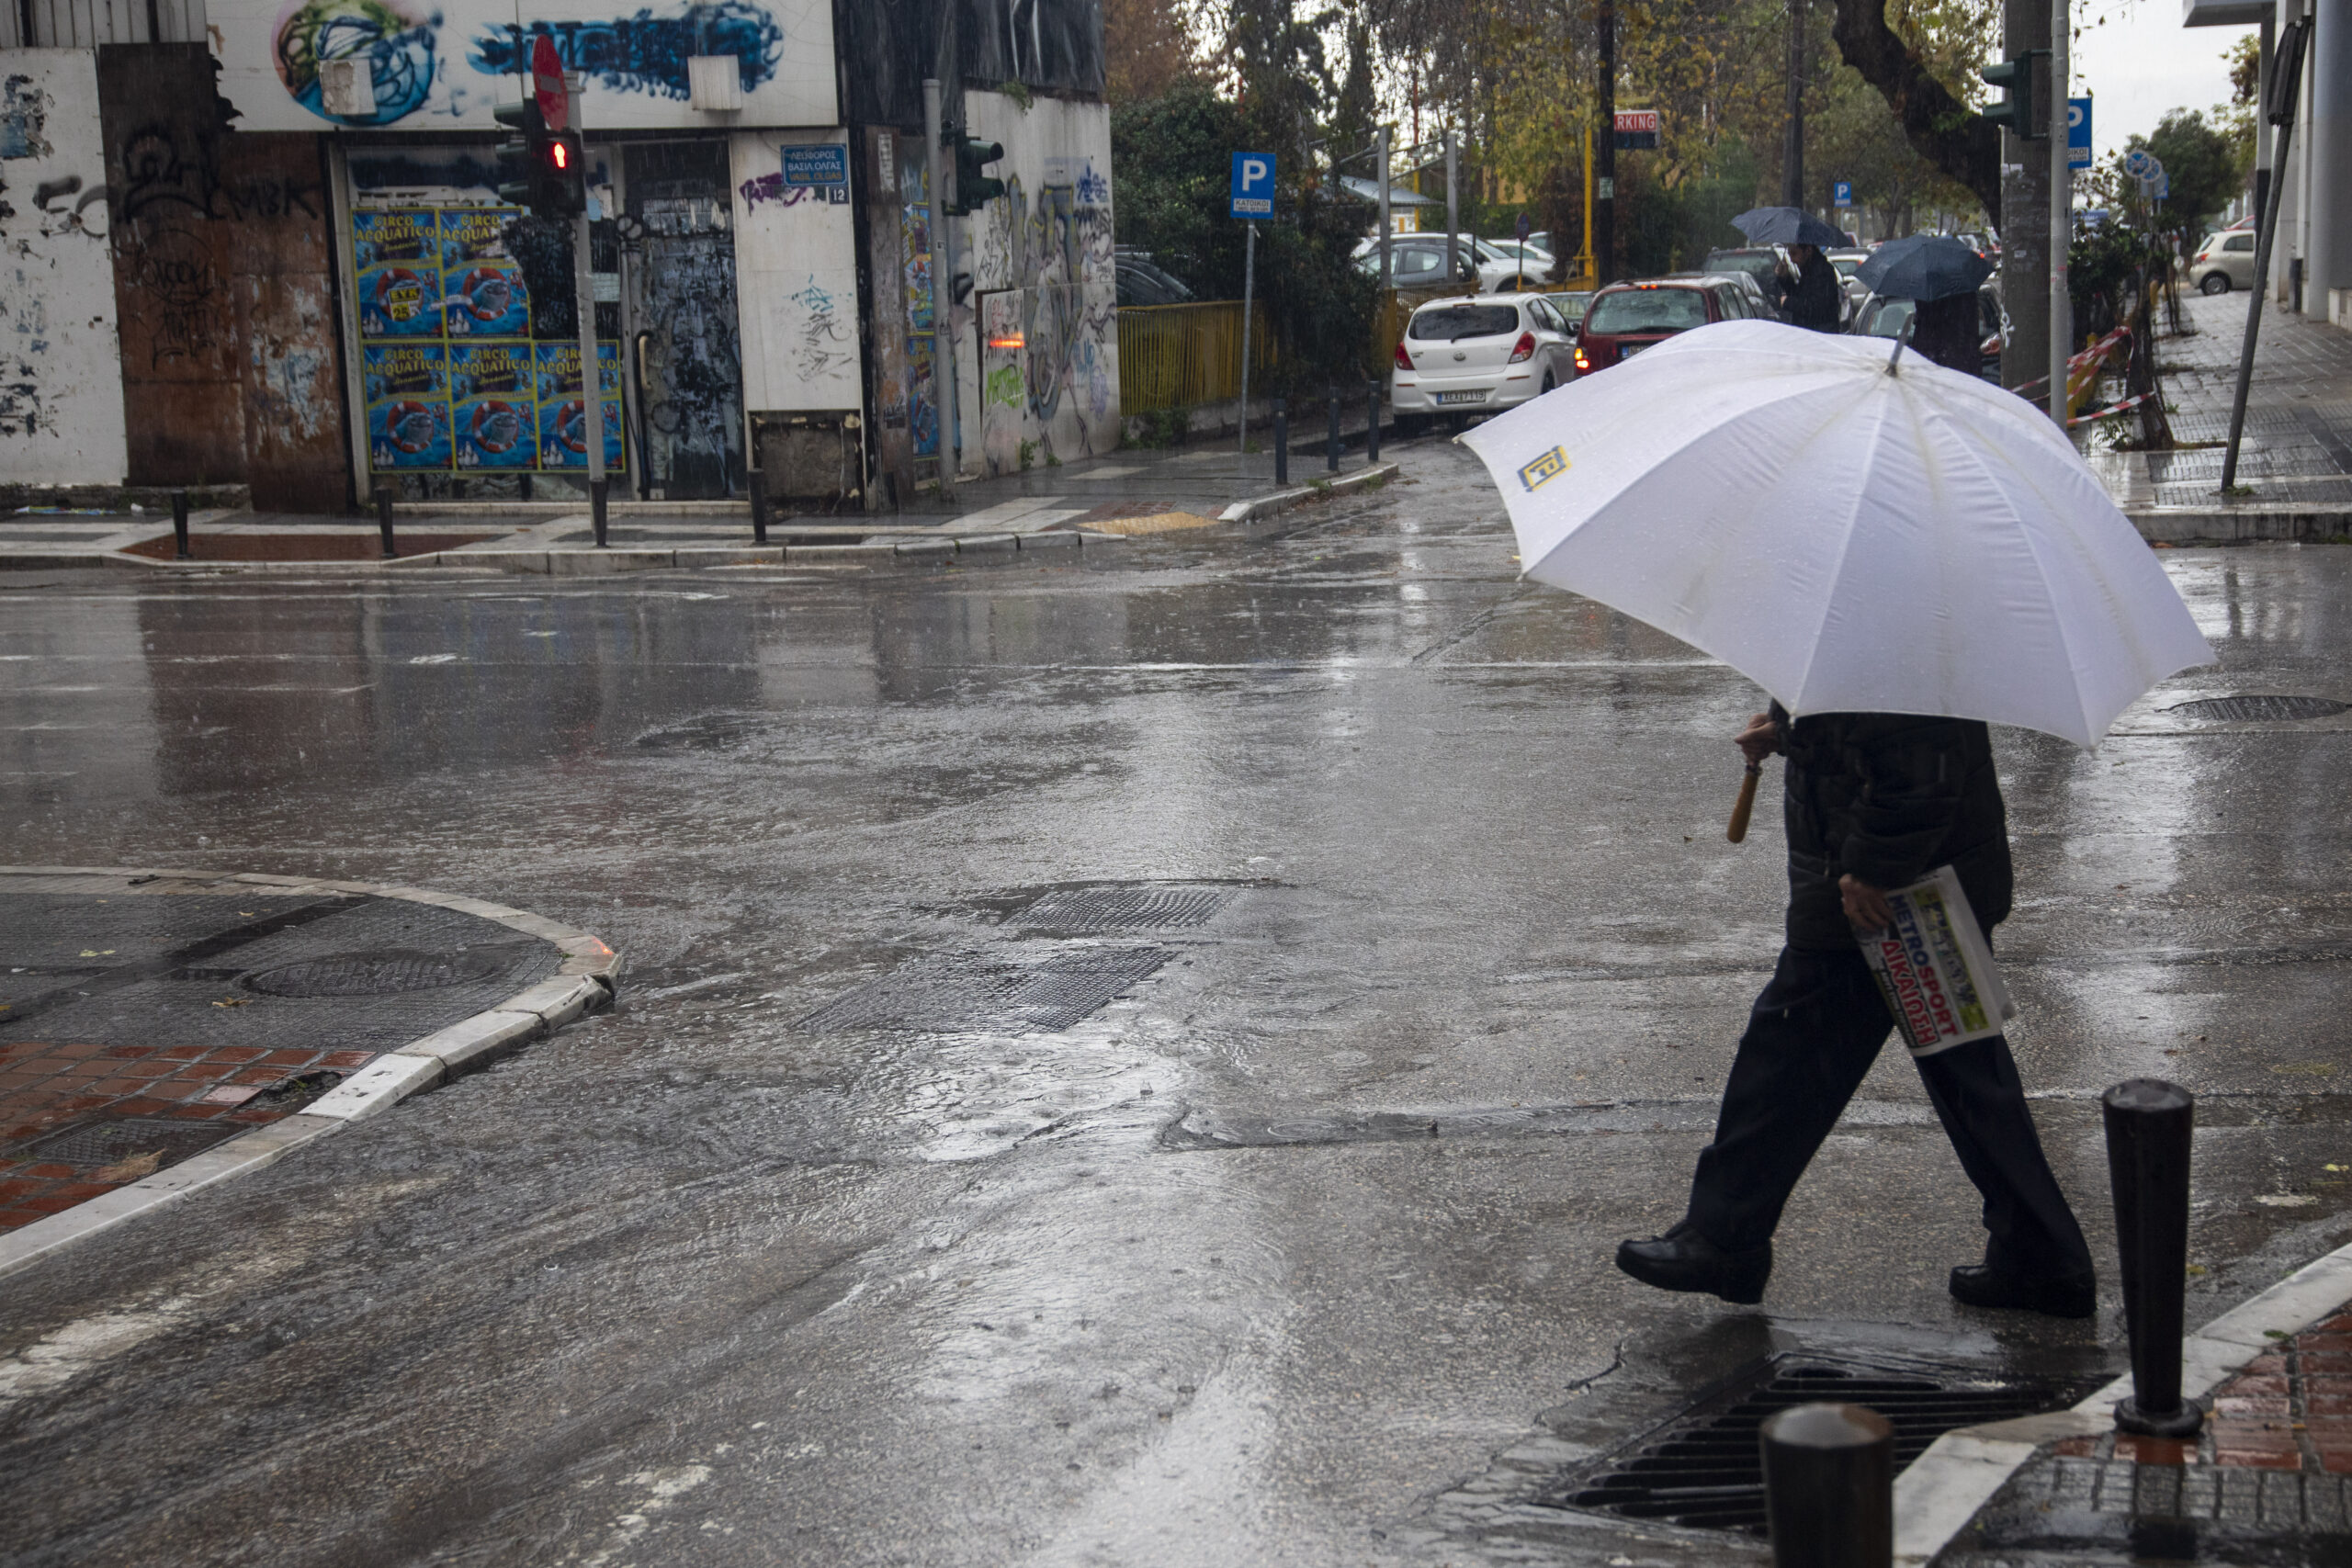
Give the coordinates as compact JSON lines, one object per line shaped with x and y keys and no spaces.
{"x":1746,"y":802}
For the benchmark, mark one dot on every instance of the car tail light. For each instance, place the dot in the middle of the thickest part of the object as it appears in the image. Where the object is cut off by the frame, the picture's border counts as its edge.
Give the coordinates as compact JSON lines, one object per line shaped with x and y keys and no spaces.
{"x":1524,"y":348}
{"x":1583,"y":364}
{"x":1404,"y":360}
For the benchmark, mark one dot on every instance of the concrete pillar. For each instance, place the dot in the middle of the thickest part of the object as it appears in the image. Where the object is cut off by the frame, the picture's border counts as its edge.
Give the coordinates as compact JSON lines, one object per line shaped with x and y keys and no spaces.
{"x":2025,"y":214}
{"x":2329,"y":265}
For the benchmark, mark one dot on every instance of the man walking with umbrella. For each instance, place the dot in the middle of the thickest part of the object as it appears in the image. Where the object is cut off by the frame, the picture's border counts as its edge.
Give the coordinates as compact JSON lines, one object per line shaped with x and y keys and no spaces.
{"x":1900,"y":554}
{"x":1812,"y":299}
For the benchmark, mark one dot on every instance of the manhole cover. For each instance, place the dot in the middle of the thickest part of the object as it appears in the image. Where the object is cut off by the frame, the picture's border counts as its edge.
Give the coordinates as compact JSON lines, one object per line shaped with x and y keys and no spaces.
{"x":1703,"y":1470}
{"x":380,"y":974}
{"x":2259,"y":709}
{"x":92,"y":1144}
{"x":949,"y":992}
{"x":1122,"y":908}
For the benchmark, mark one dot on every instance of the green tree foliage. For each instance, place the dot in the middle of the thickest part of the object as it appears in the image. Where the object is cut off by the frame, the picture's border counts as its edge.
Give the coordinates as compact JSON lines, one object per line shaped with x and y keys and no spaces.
{"x":2206,"y":170}
{"x":1172,"y":160}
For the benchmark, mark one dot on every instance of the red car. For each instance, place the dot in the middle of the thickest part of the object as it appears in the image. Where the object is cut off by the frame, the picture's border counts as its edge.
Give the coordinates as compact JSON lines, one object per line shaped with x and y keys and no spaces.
{"x":1626,"y":318}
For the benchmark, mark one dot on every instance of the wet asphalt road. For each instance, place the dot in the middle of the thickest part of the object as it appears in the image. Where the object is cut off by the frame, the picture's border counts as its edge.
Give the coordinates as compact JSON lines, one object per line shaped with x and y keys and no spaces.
{"x":691,"y":1285}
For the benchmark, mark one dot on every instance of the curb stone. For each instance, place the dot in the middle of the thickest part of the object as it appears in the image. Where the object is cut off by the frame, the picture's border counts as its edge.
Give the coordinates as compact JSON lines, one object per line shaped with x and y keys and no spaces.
{"x":1945,"y":1487}
{"x":585,"y":982}
{"x":1283,"y":500}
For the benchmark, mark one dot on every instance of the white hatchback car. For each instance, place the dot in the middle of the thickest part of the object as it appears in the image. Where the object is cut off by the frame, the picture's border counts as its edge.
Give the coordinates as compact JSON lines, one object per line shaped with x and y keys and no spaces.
{"x":1476,"y":355}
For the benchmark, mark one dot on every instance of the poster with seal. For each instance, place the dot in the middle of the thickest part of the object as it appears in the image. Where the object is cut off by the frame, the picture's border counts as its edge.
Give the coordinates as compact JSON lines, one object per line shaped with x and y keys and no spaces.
{"x":407,"y":390}
{"x":482,"y":289}
{"x":396,"y":254}
{"x":493,"y":405}
{"x":563,"y":414}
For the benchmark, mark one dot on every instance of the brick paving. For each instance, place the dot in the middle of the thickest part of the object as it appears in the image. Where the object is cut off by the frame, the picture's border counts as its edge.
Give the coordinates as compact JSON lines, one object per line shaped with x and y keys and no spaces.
{"x":2287,"y":1410}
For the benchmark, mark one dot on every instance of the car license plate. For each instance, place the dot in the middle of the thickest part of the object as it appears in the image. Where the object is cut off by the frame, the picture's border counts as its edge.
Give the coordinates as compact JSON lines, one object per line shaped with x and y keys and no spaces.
{"x":1627,"y":351}
{"x":1462,"y":397}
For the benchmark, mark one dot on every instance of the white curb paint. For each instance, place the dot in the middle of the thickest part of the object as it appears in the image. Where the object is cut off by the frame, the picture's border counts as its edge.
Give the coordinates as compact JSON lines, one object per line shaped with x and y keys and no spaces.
{"x":1282,"y":500}
{"x":585,"y":983}
{"x":1936,"y":1499}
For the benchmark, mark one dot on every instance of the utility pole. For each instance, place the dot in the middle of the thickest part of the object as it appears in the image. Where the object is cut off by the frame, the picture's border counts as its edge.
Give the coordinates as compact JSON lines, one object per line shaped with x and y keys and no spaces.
{"x":1387,"y":270}
{"x":2062,"y":216}
{"x":2025,"y":216}
{"x":1452,"y":207}
{"x":584,"y":294}
{"x":1603,"y":221}
{"x":1793,"y":150}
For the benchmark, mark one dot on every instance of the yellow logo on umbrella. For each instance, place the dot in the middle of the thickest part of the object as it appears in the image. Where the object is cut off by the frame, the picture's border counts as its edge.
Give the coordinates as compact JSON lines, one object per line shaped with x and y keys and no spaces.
{"x":1553,"y":462}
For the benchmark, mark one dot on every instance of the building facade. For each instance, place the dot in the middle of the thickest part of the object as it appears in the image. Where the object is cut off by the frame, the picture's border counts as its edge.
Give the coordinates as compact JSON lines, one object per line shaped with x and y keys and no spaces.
{"x":259,"y":242}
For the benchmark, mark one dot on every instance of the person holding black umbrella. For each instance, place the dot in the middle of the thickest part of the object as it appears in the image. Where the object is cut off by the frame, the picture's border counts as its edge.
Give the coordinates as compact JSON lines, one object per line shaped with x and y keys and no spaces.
{"x":1943,"y":276}
{"x":1806,"y":291}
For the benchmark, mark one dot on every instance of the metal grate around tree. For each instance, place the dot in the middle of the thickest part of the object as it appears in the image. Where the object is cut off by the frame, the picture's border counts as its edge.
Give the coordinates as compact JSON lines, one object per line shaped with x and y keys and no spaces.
{"x":949,"y":993}
{"x":1703,"y":1468}
{"x":91,"y":1146}
{"x":385,"y":973}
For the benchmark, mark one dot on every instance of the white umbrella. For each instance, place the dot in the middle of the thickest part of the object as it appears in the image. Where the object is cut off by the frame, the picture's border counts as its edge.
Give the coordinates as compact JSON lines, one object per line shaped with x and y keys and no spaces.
{"x":1850,"y":540}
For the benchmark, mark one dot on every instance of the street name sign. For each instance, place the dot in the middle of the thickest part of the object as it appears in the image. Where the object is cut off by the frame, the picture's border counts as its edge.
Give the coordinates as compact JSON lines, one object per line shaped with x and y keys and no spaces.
{"x":1253,"y":185}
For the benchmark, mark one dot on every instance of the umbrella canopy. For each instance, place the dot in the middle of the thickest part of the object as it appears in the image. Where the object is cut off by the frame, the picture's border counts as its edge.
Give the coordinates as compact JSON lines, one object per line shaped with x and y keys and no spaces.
{"x":1924,"y":266}
{"x":1786,"y":225}
{"x":1851,"y":540}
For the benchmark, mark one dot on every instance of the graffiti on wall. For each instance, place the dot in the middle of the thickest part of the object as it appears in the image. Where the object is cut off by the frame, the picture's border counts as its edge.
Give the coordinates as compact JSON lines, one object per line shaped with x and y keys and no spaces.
{"x":438,"y":64}
{"x":1050,"y":315}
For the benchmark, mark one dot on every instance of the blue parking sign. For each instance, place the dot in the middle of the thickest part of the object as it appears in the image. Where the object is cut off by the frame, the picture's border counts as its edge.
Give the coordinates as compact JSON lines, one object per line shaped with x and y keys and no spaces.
{"x":1253,"y":185}
{"x":2078,"y":133}
{"x":1842,"y":193}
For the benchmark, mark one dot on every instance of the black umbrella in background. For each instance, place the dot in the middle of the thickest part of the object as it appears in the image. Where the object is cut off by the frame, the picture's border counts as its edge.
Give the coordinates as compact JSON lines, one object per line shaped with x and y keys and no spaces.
{"x":1924,"y":266}
{"x":1786,"y":225}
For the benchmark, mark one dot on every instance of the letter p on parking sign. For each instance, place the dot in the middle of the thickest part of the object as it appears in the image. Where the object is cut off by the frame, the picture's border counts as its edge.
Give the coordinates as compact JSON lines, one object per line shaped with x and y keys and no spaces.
{"x":1253,"y":185}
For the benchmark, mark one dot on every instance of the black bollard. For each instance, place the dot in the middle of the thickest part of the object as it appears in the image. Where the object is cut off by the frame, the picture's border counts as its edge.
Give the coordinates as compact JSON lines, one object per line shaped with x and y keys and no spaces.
{"x":1281,"y":444}
{"x":2148,"y":1127}
{"x":759,"y":512}
{"x":179,"y":523}
{"x":1829,"y":1487}
{"x":598,"y":491}
{"x":384,"y":518}
{"x":1371,"y":426}
{"x":1331,"y":438}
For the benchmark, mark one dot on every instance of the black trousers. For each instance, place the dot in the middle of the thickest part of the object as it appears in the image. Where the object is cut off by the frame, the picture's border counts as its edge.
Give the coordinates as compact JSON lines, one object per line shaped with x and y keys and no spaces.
{"x":1811,"y":1037}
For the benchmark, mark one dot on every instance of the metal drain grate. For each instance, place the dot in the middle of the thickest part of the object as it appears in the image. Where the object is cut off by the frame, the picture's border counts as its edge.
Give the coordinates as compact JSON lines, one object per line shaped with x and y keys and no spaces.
{"x":2259,"y":709}
{"x":1122,"y":906}
{"x":89,"y":1146}
{"x":383,"y":973}
{"x":950,"y":992}
{"x":1703,"y":1470}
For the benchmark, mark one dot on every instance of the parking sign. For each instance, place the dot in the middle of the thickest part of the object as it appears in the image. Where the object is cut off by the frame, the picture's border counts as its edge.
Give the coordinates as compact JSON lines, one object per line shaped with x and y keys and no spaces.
{"x":1253,"y":185}
{"x":2078,"y":133}
{"x":1842,"y":193}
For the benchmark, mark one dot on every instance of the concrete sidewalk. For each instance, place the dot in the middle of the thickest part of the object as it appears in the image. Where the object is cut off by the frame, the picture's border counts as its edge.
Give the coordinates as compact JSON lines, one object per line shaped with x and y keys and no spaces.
{"x":161,"y":1031}
{"x":2295,"y":462}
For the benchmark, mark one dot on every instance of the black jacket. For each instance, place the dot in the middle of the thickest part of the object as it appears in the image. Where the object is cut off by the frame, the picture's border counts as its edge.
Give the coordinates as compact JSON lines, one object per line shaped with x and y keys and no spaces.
{"x":1888,"y":797}
{"x":1814,"y":299}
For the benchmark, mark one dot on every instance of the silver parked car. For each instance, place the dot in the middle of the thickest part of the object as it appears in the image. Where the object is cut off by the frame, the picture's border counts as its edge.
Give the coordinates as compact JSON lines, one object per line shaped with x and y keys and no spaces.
{"x":1468,"y":356}
{"x":2225,"y":261}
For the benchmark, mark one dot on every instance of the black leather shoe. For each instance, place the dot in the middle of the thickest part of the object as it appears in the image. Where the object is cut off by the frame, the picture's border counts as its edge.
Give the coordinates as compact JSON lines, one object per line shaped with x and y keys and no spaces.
{"x":1981,"y":1285}
{"x":1682,"y":1259}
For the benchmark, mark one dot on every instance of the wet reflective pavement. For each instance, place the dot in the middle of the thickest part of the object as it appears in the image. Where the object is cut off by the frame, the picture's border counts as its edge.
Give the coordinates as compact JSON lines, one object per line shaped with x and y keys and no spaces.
{"x":742,"y":1274}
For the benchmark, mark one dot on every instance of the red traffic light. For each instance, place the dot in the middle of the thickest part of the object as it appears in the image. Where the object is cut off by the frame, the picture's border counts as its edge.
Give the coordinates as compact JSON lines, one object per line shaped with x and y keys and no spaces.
{"x":560,"y":154}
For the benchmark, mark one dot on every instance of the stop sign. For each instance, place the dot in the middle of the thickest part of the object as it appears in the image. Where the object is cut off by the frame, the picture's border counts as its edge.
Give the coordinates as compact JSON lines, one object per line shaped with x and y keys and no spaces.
{"x":546,"y":84}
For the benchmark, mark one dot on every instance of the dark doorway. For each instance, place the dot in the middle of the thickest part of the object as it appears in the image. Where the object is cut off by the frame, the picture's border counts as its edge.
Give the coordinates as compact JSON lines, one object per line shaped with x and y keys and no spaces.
{"x":683,"y":347}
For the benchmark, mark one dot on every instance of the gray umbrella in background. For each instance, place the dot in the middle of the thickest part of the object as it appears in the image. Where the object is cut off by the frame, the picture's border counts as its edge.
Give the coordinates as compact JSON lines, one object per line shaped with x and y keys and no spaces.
{"x":1786,"y":225}
{"x":1924,"y":266}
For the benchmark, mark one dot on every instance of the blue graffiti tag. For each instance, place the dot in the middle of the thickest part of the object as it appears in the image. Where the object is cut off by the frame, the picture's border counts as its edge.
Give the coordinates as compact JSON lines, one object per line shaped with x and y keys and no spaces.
{"x":644,"y":53}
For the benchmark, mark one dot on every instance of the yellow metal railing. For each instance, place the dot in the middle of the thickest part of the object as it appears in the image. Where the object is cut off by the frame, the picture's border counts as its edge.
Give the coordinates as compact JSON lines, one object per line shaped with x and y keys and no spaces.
{"x":1179,"y":357}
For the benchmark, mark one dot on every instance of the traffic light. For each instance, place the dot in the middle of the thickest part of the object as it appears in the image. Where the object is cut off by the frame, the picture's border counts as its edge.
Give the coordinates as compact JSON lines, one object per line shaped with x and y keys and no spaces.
{"x":973,"y":186}
{"x":2016,"y":111}
{"x":544,"y":168}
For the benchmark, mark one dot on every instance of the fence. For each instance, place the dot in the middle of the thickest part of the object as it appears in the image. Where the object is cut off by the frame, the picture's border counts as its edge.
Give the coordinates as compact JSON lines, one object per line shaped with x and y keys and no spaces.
{"x":1179,"y":357}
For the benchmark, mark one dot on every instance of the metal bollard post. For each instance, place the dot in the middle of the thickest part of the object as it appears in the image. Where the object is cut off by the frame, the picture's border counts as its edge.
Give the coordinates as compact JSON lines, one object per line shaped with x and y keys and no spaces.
{"x":1371,"y":426}
{"x":1829,"y":1487}
{"x":1282,"y":442}
{"x":598,"y":491}
{"x":759,"y":512}
{"x":2148,"y":1127}
{"x":1331,"y":438}
{"x":384,"y":518}
{"x":179,"y":523}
